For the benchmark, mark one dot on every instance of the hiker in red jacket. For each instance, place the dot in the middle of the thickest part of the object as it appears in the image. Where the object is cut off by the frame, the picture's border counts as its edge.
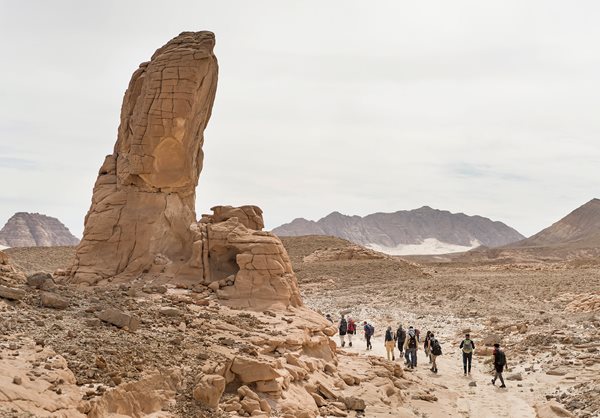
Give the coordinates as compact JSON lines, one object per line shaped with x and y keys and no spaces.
{"x":351,"y":330}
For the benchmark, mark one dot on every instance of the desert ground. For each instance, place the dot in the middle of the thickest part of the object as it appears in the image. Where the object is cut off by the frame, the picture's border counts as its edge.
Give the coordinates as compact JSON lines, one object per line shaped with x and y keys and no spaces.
{"x":546,"y":316}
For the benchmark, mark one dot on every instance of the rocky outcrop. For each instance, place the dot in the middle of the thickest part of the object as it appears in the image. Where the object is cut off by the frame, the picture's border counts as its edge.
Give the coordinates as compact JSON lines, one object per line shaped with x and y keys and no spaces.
{"x":352,"y":252}
{"x":35,"y":230}
{"x":390,"y":232}
{"x":247,"y":267}
{"x":143,"y":199}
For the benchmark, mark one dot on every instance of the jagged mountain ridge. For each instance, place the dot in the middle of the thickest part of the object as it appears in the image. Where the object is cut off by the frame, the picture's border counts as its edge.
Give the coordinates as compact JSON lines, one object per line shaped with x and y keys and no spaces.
{"x":25,"y":229}
{"x":580,"y":228}
{"x":405,"y":228}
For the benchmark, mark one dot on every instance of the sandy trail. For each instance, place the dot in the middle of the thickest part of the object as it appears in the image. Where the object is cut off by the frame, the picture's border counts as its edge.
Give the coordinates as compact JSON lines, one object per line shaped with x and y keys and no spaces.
{"x":455,"y":397}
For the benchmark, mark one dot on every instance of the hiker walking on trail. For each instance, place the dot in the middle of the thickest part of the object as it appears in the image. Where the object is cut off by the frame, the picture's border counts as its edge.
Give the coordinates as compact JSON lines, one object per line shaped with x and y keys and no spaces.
{"x":435,"y":350}
{"x":400,"y":338}
{"x":369,"y":331}
{"x":426,"y":346}
{"x":343,"y":330}
{"x":467,"y":346}
{"x":351,"y":330}
{"x":499,"y":364}
{"x":411,"y":345}
{"x":390,"y":343}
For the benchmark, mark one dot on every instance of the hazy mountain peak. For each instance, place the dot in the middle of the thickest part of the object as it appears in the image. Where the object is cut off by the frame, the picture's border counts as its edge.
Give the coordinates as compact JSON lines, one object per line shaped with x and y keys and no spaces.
{"x":408,"y":231}
{"x":25,"y":229}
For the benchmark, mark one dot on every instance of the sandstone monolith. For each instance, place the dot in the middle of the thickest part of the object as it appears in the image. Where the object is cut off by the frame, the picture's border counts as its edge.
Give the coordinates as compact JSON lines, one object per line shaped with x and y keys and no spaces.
{"x":144,"y":198}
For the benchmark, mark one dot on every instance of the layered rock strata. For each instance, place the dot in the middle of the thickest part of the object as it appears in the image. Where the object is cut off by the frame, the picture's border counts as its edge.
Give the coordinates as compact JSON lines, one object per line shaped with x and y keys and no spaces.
{"x":144,"y":198}
{"x":35,"y":230}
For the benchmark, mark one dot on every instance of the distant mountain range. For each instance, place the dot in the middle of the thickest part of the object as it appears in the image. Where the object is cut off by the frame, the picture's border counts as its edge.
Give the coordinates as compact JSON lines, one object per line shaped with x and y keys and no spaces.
{"x":419,"y":231}
{"x":35,"y":230}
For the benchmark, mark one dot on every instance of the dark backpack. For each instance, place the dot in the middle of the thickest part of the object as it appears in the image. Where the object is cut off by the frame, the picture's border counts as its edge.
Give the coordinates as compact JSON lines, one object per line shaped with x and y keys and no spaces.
{"x":343,"y":326}
{"x":401,"y":334}
{"x":500,"y":358}
{"x":412,"y":341}
{"x":389,"y":336}
{"x":436,"y":348}
{"x":369,"y":330}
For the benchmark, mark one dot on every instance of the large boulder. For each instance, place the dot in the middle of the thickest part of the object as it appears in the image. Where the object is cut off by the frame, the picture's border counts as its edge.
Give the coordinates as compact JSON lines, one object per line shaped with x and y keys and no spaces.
{"x":143,"y":200}
{"x":209,"y":389}
{"x":11,"y":293}
{"x":251,"y":370}
{"x":119,"y":318}
{"x":254,"y":264}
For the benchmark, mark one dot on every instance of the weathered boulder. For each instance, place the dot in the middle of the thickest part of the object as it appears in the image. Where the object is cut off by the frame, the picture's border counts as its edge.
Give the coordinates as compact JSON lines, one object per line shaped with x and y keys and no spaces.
{"x":52,"y":300}
{"x":119,"y":319}
{"x":552,"y":409}
{"x":41,"y":280}
{"x":11,"y":293}
{"x":143,"y":200}
{"x":249,"y":216}
{"x":253,"y":264}
{"x":251,"y":370}
{"x":209,"y":390}
{"x":353,"y":403}
{"x":3,"y":258}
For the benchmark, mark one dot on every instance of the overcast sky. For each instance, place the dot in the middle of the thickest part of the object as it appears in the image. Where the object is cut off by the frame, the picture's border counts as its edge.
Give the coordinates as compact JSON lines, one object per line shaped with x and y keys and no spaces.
{"x":487,"y":108}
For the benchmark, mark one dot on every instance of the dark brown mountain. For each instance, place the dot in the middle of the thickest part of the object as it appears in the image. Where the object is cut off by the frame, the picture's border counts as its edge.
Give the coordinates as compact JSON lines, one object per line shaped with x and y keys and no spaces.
{"x":35,"y":230}
{"x":391,"y":232}
{"x":579,"y":229}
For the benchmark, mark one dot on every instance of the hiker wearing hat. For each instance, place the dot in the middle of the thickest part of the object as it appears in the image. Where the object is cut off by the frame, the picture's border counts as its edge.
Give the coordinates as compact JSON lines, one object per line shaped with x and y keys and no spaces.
{"x":411,"y":345}
{"x":499,"y":364}
{"x":467,"y":346}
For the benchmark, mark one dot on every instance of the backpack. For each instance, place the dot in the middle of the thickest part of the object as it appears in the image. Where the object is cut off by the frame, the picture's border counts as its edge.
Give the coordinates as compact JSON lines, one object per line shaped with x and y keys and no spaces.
{"x":351,"y":326}
{"x":401,"y":334}
{"x":369,"y":330}
{"x":343,"y":326}
{"x":500,"y":358}
{"x":389,"y":336}
{"x":412,"y":341}
{"x":436,"y":348}
{"x":467,"y":346}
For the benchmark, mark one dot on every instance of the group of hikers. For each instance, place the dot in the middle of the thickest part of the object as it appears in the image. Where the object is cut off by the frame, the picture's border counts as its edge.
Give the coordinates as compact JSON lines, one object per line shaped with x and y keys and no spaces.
{"x":408,"y":342}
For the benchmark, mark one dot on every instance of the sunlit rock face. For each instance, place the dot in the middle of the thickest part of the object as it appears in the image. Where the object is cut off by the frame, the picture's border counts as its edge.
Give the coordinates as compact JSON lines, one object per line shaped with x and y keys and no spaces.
{"x":143,"y":200}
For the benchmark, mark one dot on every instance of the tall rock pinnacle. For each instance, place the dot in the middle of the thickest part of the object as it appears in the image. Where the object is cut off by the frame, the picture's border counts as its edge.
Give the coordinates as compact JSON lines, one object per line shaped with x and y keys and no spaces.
{"x":143,"y":200}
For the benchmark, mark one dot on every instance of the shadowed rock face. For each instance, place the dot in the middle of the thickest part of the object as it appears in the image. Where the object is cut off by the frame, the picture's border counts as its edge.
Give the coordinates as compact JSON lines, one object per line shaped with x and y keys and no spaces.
{"x":143,"y":200}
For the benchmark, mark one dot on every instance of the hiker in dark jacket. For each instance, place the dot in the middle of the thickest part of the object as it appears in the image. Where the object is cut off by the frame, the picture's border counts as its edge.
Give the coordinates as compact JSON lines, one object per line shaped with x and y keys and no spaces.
{"x":343,"y":330}
{"x":411,"y":345}
{"x":467,"y":346}
{"x":400,"y":337}
{"x":435,"y":350}
{"x":390,"y":343}
{"x":499,"y":364}
{"x":426,"y":346}
{"x":369,"y":331}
